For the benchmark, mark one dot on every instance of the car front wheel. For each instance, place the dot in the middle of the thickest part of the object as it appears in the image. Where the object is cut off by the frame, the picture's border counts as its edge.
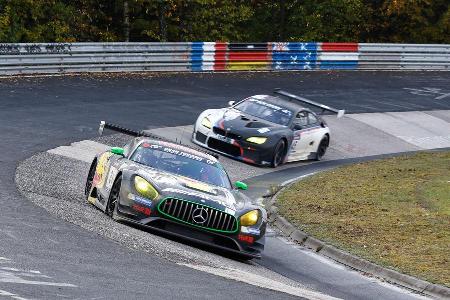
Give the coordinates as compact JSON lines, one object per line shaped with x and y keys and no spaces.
{"x":90,"y":179}
{"x":278,"y":154}
{"x":113,"y":197}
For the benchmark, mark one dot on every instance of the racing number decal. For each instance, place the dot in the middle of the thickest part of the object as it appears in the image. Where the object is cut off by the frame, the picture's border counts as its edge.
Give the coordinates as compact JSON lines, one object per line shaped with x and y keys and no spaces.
{"x":111,"y":176}
{"x":99,"y":179}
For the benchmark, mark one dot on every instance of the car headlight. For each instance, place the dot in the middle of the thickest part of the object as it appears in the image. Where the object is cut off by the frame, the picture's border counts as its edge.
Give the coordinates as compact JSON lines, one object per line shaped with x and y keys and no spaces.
{"x":144,"y":188}
{"x":250,"y":218}
{"x":206,"y":122}
{"x":257,"y":140}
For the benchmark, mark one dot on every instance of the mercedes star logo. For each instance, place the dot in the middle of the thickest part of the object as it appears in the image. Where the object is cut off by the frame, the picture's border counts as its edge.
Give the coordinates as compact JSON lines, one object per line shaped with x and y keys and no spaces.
{"x":199,"y":215}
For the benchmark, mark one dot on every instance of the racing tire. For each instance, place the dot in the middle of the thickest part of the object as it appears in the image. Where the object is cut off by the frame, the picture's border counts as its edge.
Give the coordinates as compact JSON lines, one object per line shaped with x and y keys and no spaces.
{"x":244,"y":258}
{"x":113,"y":197}
{"x":278,"y":154}
{"x":90,"y":179}
{"x":322,"y":149}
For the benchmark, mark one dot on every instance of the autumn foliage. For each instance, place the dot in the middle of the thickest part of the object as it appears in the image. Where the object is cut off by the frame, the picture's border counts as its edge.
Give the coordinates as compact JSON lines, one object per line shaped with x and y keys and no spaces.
{"x":406,"y":21}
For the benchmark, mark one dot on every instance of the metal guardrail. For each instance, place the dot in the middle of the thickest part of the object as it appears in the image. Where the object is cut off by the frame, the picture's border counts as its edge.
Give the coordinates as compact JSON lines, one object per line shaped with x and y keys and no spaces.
{"x":404,"y":56}
{"x":59,"y":58}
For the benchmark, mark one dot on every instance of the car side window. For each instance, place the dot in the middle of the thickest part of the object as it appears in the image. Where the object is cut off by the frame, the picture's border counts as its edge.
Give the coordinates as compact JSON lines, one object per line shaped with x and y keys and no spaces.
{"x":312,"y":119}
{"x":301,"y":118}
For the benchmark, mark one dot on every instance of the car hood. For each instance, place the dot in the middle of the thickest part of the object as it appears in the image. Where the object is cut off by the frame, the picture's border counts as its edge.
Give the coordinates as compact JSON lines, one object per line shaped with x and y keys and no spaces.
{"x":172,"y":185}
{"x":233,"y":120}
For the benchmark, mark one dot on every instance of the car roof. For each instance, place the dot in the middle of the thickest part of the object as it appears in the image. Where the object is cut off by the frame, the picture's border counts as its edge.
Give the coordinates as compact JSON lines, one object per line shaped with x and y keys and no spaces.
{"x":289,"y":104}
{"x":176,"y":146}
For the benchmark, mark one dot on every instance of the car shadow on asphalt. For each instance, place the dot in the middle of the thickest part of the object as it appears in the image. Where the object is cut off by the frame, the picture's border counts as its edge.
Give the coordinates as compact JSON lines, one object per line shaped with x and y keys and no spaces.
{"x":192,"y":243}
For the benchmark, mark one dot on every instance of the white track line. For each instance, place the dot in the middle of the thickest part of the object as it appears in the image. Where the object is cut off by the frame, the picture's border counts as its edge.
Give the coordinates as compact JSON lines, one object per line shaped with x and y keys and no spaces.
{"x":13,"y":275}
{"x":11,"y":295}
{"x":284,"y":183}
{"x":260,"y":281}
{"x":11,"y":278}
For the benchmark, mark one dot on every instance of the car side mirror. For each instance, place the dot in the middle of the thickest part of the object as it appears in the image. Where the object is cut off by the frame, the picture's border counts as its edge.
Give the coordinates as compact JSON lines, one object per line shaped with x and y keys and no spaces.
{"x":297,"y":127}
{"x":240,"y":185}
{"x":231,"y":103}
{"x":117,"y":151}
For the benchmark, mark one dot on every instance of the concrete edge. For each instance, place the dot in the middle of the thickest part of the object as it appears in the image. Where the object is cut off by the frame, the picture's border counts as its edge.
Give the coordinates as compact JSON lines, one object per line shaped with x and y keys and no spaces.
{"x":345,"y":258}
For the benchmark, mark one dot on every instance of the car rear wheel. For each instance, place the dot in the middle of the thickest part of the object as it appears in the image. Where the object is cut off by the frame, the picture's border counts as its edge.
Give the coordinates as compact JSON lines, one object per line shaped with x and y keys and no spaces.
{"x":113,"y":197}
{"x":90,"y":179}
{"x":322,"y":148}
{"x":278,"y":154}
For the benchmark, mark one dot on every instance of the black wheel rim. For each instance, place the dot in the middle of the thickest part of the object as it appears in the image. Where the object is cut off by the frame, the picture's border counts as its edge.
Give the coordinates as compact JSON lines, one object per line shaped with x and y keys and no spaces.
{"x":278,"y":154}
{"x":89,"y":181}
{"x":113,"y":198}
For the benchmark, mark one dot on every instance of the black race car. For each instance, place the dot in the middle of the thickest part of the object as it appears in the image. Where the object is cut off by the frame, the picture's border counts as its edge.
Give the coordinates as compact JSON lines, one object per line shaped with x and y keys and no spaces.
{"x":265,"y":130}
{"x":175,"y":189}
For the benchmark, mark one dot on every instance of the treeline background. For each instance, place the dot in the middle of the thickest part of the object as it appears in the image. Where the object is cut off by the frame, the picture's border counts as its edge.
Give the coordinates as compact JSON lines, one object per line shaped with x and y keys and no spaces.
{"x":406,"y":21}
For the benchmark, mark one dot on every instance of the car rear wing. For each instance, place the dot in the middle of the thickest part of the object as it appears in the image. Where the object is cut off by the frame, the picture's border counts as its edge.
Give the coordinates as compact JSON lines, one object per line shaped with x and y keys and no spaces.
{"x":105,"y":125}
{"x":339,"y":112}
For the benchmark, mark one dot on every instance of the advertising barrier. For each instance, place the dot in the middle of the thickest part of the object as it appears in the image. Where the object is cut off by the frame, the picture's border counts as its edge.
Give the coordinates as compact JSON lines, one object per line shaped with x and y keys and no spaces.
{"x":56,"y":58}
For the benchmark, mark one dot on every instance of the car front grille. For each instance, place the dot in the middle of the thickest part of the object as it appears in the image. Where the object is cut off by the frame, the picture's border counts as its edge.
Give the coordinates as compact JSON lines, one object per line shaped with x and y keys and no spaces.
{"x":200,"y":137}
{"x":224,"y":147}
{"x":198,"y":215}
{"x":222,"y":132}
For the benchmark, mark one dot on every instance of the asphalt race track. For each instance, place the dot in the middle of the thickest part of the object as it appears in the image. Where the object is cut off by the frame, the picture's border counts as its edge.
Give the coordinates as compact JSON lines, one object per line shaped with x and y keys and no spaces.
{"x":44,"y":257}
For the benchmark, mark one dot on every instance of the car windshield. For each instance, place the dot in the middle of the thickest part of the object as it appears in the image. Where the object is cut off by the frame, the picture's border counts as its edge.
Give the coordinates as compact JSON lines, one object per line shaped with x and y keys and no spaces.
{"x":182,"y":163}
{"x":266,"y":111}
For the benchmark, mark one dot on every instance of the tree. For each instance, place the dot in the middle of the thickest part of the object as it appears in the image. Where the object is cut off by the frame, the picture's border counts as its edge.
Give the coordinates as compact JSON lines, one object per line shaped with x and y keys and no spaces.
{"x":412,"y":21}
{"x":98,"y":20}
{"x":126,"y":21}
{"x":35,"y":21}
{"x":212,"y":20}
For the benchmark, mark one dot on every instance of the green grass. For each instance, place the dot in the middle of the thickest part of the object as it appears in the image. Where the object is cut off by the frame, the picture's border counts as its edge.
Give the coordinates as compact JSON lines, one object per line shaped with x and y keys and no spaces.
{"x":394,"y":212}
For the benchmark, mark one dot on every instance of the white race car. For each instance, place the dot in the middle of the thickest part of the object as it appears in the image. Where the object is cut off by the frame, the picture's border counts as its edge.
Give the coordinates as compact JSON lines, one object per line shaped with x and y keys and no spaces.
{"x":265,"y":130}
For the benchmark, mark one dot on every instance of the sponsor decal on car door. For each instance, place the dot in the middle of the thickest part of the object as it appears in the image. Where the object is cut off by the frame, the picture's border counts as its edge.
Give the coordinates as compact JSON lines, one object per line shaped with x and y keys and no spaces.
{"x":315,"y":133}
{"x":306,"y":137}
{"x":100,"y":171}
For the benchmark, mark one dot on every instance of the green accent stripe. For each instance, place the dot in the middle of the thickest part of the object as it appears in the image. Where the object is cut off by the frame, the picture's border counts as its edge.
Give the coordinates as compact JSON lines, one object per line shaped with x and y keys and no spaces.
{"x":194,"y":225}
